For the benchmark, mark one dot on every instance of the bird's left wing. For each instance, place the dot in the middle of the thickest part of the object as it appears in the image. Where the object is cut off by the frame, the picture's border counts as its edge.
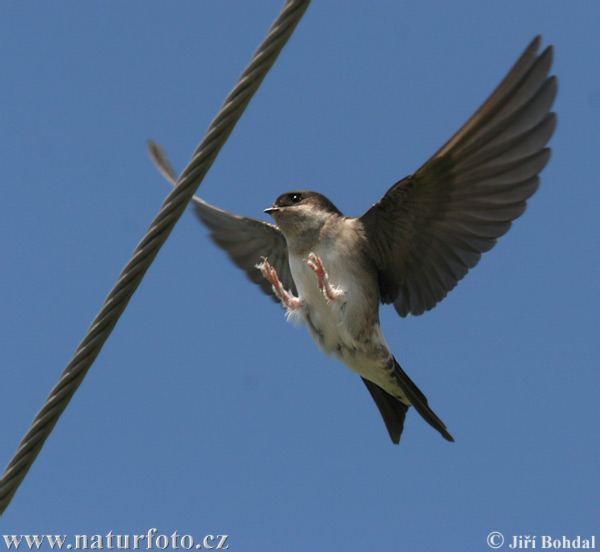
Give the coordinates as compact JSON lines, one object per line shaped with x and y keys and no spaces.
{"x":246,"y":240}
{"x":432,"y":227}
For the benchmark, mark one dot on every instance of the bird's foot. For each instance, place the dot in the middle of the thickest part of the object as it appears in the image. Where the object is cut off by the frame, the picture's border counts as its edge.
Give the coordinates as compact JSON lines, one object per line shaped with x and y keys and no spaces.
{"x":289,"y":300}
{"x":329,"y":292}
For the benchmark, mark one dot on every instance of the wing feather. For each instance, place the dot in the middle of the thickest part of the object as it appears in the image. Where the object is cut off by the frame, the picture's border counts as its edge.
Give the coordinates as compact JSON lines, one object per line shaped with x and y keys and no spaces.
{"x":432,"y":227}
{"x":246,"y":240}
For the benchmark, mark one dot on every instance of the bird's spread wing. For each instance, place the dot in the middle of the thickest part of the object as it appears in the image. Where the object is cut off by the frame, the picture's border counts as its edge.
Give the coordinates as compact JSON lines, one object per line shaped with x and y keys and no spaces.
{"x":245,"y":240}
{"x":432,"y":227}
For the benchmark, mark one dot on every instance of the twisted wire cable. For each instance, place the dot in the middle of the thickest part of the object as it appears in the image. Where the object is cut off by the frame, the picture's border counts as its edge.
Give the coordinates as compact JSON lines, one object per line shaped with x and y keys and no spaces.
{"x":159,"y":230}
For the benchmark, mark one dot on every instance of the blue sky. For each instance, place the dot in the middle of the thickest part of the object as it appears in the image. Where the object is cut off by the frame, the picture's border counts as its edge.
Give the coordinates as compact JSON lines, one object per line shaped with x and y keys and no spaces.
{"x":207,"y":413}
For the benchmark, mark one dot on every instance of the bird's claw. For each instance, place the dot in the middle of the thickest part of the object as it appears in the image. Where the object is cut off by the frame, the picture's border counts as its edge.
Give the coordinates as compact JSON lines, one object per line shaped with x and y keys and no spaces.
{"x":316,"y":265}
{"x":289,"y":300}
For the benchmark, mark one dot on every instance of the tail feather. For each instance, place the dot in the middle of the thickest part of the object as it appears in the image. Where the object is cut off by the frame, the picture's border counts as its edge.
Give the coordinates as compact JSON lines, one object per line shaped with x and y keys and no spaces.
{"x":419,"y":401}
{"x":393,"y":411}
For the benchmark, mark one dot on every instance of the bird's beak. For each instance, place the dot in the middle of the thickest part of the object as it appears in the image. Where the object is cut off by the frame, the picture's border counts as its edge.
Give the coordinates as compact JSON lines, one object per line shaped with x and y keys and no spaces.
{"x":271,"y":210}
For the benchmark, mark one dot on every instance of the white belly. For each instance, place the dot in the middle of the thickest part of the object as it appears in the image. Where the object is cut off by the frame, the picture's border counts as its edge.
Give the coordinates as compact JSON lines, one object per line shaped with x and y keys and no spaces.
{"x":336,"y":325}
{"x":324,"y":319}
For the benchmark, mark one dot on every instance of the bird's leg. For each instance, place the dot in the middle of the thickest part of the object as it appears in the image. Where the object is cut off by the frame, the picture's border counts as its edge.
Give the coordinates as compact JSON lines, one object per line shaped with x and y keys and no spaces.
{"x":289,"y":300}
{"x":331,"y":293}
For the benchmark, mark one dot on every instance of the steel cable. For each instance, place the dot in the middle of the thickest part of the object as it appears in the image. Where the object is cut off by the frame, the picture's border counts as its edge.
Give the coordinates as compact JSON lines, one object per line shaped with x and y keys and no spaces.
{"x":159,"y":230}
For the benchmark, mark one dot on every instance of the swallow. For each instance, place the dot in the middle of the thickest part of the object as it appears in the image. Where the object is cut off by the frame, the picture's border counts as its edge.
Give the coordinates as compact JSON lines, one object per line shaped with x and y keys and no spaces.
{"x":331,"y":272}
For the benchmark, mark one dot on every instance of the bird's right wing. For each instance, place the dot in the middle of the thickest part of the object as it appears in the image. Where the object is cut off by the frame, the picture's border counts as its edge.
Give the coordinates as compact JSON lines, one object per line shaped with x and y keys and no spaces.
{"x":246,"y":240}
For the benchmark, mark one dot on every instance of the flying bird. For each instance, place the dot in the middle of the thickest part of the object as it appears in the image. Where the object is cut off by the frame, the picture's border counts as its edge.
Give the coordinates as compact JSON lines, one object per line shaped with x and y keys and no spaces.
{"x":331,"y":272}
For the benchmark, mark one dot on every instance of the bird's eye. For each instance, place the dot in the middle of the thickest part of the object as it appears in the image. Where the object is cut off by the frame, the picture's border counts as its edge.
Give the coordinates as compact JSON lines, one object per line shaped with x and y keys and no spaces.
{"x":295,"y":198}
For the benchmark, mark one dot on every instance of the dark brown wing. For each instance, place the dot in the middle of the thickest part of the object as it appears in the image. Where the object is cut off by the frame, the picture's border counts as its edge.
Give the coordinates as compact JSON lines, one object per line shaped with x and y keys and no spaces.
{"x":432,"y":227}
{"x":247,"y":241}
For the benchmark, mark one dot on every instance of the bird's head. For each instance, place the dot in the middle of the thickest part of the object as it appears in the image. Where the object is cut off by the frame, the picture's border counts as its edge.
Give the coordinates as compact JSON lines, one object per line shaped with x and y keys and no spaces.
{"x":301,"y":213}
